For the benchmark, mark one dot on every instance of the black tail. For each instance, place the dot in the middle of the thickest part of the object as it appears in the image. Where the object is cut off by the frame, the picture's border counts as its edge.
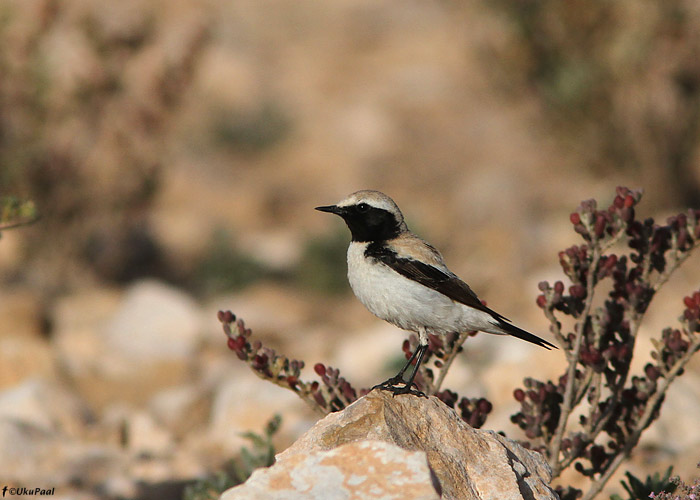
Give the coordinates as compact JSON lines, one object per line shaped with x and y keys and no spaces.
{"x":522,"y":334}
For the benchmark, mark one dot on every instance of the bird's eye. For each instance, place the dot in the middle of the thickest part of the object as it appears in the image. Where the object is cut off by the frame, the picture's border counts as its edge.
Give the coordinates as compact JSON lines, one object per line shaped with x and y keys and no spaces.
{"x":362,"y":207}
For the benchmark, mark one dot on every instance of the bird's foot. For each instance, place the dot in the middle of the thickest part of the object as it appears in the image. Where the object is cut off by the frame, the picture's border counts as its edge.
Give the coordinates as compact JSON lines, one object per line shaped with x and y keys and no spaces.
{"x":392,"y":385}
{"x":405,"y":389}
{"x":392,"y":382}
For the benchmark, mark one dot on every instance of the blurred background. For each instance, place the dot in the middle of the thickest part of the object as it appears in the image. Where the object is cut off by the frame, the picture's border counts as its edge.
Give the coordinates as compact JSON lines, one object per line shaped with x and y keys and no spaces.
{"x":175,"y":151}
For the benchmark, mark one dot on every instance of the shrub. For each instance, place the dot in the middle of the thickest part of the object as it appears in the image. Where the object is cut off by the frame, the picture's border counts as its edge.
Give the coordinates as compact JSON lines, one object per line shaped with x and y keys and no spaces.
{"x":623,"y":259}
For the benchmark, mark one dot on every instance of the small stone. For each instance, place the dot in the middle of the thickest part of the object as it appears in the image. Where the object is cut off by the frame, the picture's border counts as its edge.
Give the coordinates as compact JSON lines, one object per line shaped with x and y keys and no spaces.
{"x":154,"y":321}
{"x":181,"y":408}
{"x":41,"y":404}
{"x":145,"y":437}
{"x":24,"y":357}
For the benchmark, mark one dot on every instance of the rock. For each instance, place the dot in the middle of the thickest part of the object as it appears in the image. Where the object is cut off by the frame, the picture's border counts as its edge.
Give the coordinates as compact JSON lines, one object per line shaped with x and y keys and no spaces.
{"x":292,"y":312}
{"x":43,"y":405}
{"x":467,"y":463}
{"x":373,"y":366}
{"x":145,"y":437}
{"x":12,"y":251}
{"x":181,"y":409}
{"x":126,"y":347}
{"x":278,"y":249}
{"x":24,"y":446}
{"x":503,"y":373}
{"x":36,"y":455}
{"x":362,"y":469}
{"x":24,"y":357}
{"x":76,"y":318}
{"x":20,"y":313}
{"x":241,"y":404}
{"x":677,"y":429}
{"x":154,"y":322}
{"x":25,"y":403}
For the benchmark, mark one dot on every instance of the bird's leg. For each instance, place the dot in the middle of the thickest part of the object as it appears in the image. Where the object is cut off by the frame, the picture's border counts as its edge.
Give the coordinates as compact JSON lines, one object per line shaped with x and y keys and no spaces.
{"x":398,"y":378}
{"x":422,"y":350}
{"x":391,"y":384}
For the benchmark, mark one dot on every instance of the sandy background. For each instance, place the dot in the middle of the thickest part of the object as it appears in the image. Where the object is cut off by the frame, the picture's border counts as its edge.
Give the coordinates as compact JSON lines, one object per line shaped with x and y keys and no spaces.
{"x":176,"y":149}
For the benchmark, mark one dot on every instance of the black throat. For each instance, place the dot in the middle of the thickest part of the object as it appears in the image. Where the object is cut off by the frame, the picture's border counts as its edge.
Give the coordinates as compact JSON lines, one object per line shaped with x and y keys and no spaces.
{"x":374,"y":224}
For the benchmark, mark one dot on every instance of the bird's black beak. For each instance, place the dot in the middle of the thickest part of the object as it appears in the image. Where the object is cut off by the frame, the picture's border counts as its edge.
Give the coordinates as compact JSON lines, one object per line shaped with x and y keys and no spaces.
{"x":332,"y":209}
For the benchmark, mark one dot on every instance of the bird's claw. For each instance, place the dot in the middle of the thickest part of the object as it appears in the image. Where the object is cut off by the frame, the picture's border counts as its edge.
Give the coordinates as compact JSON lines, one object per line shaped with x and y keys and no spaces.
{"x":392,"y":386}
{"x":392,"y":382}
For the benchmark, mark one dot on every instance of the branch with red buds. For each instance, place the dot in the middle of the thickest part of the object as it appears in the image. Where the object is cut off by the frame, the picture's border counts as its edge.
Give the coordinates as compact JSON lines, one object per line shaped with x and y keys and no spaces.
{"x":616,"y":409}
{"x":436,"y":363}
{"x":437,"y":360}
{"x":332,"y":392}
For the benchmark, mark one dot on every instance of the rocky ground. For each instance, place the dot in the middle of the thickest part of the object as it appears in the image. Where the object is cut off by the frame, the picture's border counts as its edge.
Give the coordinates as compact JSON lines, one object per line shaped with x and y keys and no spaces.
{"x":136,"y":387}
{"x":393,"y":447}
{"x":115,"y":387}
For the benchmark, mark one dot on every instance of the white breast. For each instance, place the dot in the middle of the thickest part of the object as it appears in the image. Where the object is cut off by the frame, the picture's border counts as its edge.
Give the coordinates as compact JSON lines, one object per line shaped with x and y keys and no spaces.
{"x":405,"y":303}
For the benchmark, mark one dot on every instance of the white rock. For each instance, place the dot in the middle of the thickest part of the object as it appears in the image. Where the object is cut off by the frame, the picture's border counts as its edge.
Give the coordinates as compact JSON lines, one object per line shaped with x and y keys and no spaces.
{"x":20,"y":444}
{"x":362,"y":356}
{"x":276,"y":248}
{"x":146,"y":437}
{"x":359,"y":470}
{"x":464,"y":463}
{"x":42,"y":405}
{"x":677,"y":427}
{"x":245,"y":403}
{"x":31,"y":455}
{"x":154,"y":322}
{"x":23,"y":357}
{"x":173,"y":407}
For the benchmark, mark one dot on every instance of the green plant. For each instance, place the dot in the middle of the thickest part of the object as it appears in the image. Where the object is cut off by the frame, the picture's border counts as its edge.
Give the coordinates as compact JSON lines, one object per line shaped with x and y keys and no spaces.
{"x":15,"y":213}
{"x":681,"y":491}
{"x":238,"y":469}
{"x":224,"y":268}
{"x":619,"y":83}
{"x":252,"y":131}
{"x":318,"y":268}
{"x":638,"y":490}
{"x":89,"y":148}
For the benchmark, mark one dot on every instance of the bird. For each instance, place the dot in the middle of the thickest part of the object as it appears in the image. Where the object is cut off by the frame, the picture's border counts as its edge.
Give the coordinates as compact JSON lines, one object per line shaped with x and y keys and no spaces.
{"x":404,"y":280}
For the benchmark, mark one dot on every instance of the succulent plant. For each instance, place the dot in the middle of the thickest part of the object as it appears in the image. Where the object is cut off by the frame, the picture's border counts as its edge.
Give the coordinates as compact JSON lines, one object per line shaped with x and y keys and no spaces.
{"x":615,"y":406}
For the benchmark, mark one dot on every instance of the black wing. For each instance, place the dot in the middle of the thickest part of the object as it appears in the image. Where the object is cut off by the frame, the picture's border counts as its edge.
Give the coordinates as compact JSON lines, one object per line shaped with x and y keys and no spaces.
{"x":444,"y":282}
{"x":449,"y":285}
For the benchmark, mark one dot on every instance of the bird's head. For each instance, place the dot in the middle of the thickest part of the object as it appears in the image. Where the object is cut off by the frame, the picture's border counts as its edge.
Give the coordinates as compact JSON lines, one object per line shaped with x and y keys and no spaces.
{"x":370,"y":215}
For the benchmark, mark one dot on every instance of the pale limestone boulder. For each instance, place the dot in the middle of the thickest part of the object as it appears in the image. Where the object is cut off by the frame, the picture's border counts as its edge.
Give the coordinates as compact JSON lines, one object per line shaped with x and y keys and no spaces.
{"x":361,"y":469}
{"x":125,"y":347}
{"x":154,"y":322}
{"x":464,"y":463}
